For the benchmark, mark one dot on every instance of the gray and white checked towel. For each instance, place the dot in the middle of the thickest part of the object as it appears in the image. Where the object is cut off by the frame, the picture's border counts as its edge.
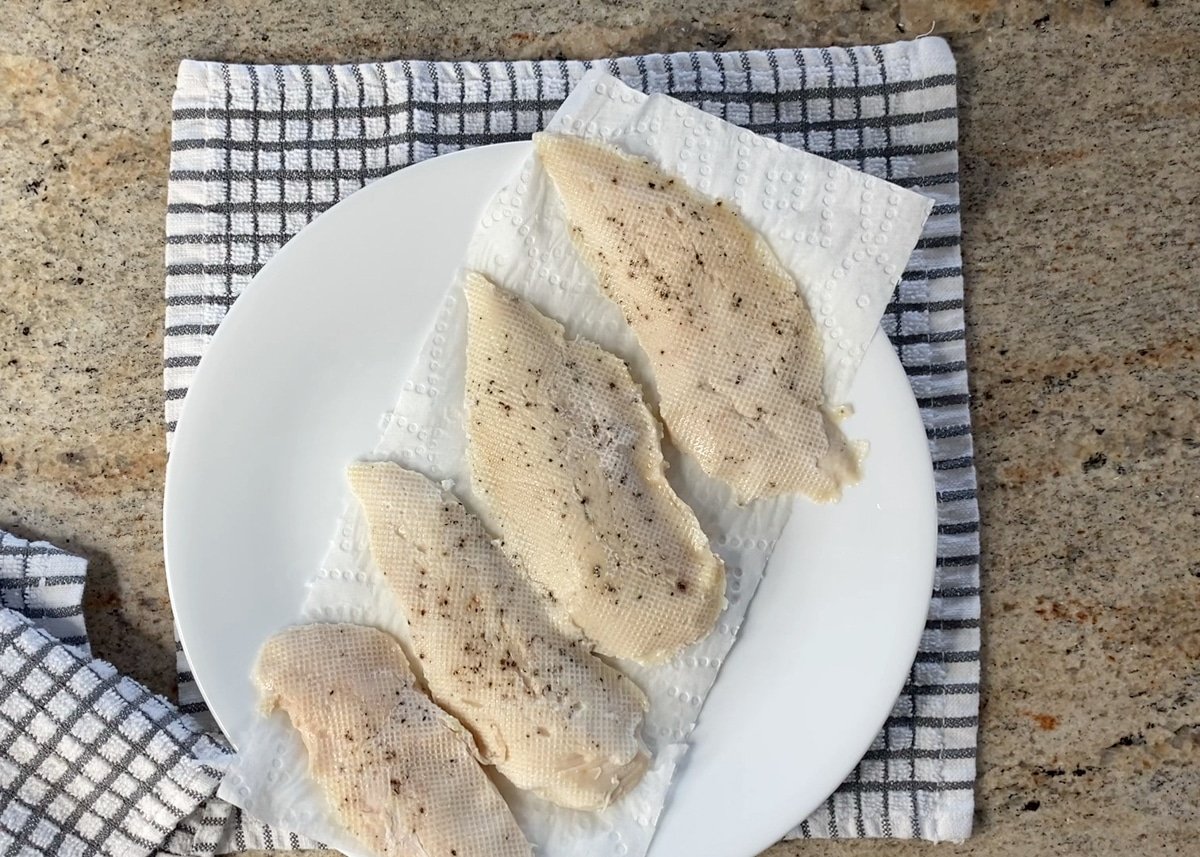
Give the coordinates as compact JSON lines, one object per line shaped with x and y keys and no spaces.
{"x":258,"y":152}
{"x":90,"y":761}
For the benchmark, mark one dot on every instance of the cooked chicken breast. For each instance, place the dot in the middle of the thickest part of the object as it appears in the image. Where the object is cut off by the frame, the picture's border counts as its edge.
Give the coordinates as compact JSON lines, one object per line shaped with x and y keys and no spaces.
{"x":567,"y":456}
{"x":736,"y":356}
{"x":400,"y":773}
{"x":551,"y":716}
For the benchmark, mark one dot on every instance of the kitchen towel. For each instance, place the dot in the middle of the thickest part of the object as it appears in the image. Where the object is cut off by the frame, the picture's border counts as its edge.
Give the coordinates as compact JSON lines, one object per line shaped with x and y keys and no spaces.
{"x":91,"y":762}
{"x":260,"y":151}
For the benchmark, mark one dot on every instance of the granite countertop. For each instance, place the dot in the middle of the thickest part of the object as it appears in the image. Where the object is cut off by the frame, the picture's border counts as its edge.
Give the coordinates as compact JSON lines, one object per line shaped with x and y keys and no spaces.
{"x":1081,"y":213}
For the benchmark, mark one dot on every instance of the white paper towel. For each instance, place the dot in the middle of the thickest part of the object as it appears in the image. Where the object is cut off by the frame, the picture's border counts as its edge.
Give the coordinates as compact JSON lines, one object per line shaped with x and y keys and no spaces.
{"x":845,"y":238}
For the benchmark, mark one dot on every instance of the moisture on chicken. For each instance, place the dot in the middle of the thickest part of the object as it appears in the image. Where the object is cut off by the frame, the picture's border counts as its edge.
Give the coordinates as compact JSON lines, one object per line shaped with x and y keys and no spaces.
{"x":400,"y":773}
{"x":736,"y":356}
{"x":566,"y":454}
{"x":552,"y":717}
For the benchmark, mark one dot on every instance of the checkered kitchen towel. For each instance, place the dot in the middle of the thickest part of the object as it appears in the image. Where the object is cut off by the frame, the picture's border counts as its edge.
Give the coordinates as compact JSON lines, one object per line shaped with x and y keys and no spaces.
{"x":257,"y":152}
{"x":90,"y":761}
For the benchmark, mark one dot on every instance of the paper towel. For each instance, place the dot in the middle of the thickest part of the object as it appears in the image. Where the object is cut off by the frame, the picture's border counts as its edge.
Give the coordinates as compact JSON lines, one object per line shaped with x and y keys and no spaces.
{"x":844,"y":236}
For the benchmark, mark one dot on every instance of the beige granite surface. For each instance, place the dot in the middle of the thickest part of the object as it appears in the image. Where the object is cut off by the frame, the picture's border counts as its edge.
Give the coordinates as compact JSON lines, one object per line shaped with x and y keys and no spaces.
{"x":1081,"y":187}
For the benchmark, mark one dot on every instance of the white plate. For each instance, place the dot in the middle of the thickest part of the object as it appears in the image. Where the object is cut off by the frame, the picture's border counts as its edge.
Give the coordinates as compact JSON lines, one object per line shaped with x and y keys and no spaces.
{"x":294,"y":386}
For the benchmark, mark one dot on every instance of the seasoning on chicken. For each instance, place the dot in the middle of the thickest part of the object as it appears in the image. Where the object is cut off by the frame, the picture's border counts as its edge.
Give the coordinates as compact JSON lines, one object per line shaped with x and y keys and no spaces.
{"x":567,"y":455}
{"x":736,"y":356}
{"x":552,"y":717}
{"x":400,"y":773}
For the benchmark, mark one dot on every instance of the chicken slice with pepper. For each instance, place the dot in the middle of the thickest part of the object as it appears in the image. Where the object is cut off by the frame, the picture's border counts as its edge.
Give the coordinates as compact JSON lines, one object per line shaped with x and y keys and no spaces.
{"x":400,"y":773}
{"x":737,"y":358}
{"x":566,"y":453}
{"x":494,"y":651}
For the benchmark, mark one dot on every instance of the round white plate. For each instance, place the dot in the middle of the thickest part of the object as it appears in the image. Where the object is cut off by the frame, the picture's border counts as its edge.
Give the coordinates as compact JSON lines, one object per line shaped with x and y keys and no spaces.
{"x":294,"y":386}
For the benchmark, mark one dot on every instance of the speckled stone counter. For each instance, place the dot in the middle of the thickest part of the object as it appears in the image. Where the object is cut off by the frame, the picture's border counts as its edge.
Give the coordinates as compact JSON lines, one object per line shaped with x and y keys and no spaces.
{"x":1081,"y":214}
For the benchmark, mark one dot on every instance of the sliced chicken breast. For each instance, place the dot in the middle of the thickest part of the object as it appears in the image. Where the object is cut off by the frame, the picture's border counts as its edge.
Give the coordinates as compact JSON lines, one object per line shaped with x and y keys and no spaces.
{"x":400,"y":773}
{"x":551,"y":716}
{"x":736,"y":356}
{"x":566,"y":454}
